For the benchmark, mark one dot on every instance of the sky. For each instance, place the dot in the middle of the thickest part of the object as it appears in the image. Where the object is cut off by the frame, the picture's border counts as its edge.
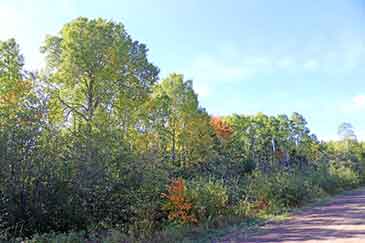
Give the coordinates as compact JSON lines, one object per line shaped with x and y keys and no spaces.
{"x":244,"y":56}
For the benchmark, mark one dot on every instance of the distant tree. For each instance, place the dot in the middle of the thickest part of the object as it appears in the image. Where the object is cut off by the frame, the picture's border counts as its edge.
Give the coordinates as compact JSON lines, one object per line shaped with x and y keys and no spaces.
{"x":346,"y":132}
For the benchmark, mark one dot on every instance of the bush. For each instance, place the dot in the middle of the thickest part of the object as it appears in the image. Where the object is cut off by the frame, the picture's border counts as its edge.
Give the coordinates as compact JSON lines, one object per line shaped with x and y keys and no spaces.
{"x":294,"y":189}
{"x":67,"y":195}
{"x":282,"y":189}
{"x":345,"y":175}
{"x":322,"y":177}
{"x":245,"y":208}
{"x":177,"y":204}
{"x":334,"y":177}
{"x":209,"y":198}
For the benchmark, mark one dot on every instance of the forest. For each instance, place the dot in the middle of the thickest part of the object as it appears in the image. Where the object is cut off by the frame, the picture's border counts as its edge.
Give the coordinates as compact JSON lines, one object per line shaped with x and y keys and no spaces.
{"x":97,"y":147}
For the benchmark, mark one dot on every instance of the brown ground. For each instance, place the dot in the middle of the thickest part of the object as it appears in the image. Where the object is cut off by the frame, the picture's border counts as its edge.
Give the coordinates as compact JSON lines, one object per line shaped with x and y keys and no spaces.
{"x":341,"y":220}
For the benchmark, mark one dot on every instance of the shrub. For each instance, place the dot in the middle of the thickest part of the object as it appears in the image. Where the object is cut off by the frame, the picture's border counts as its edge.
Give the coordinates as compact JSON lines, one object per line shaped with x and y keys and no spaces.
{"x":322,"y":178}
{"x":292,"y":189}
{"x":209,"y":198}
{"x":177,"y":204}
{"x":282,"y":189}
{"x":345,"y":175}
{"x":245,"y":208}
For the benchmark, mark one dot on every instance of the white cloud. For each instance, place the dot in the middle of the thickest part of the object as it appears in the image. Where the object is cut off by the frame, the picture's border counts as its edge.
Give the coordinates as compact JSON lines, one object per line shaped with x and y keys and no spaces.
{"x":311,"y":65}
{"x":212,"y":71}
{"x":209,"y":71}
{"x":356,"y":104}
{"x":359,"y":101}
{"x":285,"y":62}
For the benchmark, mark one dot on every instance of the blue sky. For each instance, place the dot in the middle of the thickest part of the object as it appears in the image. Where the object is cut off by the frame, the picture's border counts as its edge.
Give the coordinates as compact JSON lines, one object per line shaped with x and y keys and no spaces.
{"x":244,"y":56}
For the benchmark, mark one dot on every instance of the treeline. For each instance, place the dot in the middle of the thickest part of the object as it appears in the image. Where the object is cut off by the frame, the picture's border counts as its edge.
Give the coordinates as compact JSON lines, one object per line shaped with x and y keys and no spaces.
{"x":97,"y":148}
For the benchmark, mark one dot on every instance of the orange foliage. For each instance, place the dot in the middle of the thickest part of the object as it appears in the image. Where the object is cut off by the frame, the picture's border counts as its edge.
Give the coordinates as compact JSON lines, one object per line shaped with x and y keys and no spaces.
{"x":262,"y":204}
{"x":221,"y":128}
{"x":177,"y":205}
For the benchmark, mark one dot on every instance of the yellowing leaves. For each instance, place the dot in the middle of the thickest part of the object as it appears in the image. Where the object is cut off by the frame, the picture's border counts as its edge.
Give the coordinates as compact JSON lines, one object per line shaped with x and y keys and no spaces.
{"x":11,"y":96}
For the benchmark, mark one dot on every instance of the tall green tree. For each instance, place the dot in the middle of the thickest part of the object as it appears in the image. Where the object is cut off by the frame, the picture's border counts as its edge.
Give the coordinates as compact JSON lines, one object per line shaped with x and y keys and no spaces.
{"x":98,"y":79}
{"x":181,"y":127}
{"x":98,"y":76}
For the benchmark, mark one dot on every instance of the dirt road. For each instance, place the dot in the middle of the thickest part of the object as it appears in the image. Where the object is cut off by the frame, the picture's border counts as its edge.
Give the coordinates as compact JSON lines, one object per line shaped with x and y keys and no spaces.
{"x":341,"y":220}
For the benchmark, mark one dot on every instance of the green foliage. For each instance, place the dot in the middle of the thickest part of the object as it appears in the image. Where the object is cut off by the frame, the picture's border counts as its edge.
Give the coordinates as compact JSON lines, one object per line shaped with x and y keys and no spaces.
{"x":180,"y":129}
{"x":270,"y":142}
{"x":346,"y":177}
{"x":11,"y":64}
{"x":209,"y":198}
{"x":97,"y":74}
{"x":245,"y":208}
{"x":284,"y":189}
{"x":327,"y":181}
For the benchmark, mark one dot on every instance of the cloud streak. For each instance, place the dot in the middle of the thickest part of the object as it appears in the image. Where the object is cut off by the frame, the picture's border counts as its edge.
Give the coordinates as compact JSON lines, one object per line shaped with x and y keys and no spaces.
{"x":359,"y":101}
{"x":357,"y":104}
{"x":209,"y":72}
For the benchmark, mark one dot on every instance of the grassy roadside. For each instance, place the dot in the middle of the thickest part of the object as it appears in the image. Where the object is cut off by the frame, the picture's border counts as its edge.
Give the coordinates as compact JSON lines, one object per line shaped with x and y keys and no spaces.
{"x":254,"y":224}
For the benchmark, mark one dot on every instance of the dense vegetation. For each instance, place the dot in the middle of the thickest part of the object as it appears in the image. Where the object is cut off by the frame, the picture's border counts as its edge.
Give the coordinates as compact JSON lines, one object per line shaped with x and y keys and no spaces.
{"x":97,"y":148}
